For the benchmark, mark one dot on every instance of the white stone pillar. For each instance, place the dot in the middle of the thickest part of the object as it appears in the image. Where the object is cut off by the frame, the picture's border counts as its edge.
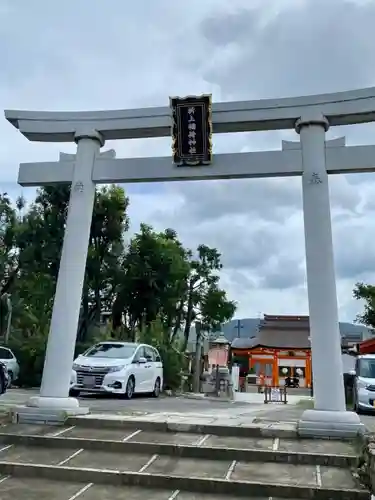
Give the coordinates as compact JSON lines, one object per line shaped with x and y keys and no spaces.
{"x":66,"y":309}
{"x":325,"y":335}
{"x":321,"y":282}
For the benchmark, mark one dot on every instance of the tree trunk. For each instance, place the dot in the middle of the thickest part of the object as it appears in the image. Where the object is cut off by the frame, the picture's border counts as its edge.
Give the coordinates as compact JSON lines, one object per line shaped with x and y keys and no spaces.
{"x":189,"y":316}
{"x":178,"y":321}
{"x":98,"y":303}
{"x":82,"y":331}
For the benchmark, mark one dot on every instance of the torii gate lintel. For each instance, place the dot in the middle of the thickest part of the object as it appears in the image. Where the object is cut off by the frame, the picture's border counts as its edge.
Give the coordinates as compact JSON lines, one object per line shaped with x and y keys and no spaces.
{"x":287,"y":162}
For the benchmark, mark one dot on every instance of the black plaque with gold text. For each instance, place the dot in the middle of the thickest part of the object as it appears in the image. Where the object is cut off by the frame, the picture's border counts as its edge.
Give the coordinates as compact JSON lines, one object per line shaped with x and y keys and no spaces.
{"x":191,"y":130}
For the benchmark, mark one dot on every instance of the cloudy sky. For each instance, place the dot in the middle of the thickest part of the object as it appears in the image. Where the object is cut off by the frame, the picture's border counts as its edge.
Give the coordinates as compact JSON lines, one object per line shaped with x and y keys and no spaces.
{"x":90,"y":54}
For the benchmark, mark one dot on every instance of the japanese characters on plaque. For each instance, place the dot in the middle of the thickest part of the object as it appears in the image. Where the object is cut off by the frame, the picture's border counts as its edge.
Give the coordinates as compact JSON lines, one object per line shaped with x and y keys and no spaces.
{"x":191,"y":130}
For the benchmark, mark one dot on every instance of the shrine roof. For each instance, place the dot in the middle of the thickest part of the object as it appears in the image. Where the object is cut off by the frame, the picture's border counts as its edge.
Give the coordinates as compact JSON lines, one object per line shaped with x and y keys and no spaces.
{"x":279,"y":340}
{"x":284,"y":323}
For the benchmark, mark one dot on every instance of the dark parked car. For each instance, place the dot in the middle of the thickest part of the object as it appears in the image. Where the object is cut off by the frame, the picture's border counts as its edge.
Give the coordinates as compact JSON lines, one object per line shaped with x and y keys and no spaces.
{"x":4,"y":378}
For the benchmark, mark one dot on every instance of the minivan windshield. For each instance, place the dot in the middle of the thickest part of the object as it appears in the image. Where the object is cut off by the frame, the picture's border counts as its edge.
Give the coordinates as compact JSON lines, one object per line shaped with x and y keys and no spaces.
{"x":366,"y":368}
{"x":108,"y":350}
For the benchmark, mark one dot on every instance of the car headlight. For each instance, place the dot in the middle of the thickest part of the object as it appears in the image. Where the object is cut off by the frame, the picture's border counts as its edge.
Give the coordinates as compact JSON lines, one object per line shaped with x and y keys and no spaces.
{"x":361,"y":384}
{"x":76,"y":366}
{"x":116,"y":368}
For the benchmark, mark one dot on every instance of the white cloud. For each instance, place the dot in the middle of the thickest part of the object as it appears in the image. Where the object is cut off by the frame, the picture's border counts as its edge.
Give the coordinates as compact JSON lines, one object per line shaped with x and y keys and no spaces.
{"x":81,"y":55}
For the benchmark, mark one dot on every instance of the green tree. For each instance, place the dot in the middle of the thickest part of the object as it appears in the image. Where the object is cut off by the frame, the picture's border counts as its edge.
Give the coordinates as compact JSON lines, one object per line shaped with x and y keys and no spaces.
{"x":105,"y":255}
{"x":215,"y":308}
{"x":10,"y":258}
{"x":41,"y":238}
{"x":155,"y":270}
{"x":154,"y":287}
{"x":163,"y":281}
{"x":204,"y":300}
{"x":366,"y":293}
{"x":34,"y":256}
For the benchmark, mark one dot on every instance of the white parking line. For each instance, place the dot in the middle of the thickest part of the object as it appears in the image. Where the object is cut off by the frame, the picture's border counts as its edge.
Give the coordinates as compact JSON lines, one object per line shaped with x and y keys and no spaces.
{"x":152,"y":459}
{"x":230,"y":470}
{"x":275,"y":444}
{"x":131,"y":435}
{"x":63,"y":431}
{"x":202,"y":440}
{"x":63,"y":462}
{"x":318,"y":476}
{"x":174,"y":495}
{"x":82,"y":490}
{"x":6,"y":447}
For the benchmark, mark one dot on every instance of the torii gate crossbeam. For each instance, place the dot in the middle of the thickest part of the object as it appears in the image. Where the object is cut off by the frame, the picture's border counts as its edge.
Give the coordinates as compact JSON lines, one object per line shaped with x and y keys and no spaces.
{"x":340,"y":159}
{"x":312,"y":159}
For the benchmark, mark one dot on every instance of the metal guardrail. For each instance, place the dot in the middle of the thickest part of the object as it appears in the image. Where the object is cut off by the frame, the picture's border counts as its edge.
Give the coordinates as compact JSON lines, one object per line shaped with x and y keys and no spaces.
{"x":275,"y":395}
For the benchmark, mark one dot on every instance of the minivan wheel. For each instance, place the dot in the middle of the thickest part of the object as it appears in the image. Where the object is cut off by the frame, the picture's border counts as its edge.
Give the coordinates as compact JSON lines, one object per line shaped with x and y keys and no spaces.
{"x":156,"y":391}
{"x":130,"y":386}
{"x":74,"y":393}
{"x":3,"y":386}
{"x":356,"y":408}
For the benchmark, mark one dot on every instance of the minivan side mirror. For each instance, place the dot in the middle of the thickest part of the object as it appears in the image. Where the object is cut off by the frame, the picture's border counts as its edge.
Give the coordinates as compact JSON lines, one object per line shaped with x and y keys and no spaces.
{"x":140,"y":361}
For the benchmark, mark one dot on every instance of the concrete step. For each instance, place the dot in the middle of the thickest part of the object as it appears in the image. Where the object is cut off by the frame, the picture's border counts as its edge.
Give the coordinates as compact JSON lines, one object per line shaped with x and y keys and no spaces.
{"x":43,"y":489}
{"x":196,"y":476}
{"x":168,"y":424}
{"x":192,"y":463}
{"x":247,"y":450}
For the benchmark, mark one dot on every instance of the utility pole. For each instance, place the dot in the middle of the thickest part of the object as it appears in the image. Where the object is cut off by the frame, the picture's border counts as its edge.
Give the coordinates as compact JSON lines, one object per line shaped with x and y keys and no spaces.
{"x":198,"y":353}
{"x":238,"y":328}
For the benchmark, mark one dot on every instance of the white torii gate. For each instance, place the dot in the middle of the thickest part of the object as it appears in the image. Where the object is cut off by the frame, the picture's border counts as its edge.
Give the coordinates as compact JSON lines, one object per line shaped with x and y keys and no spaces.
{"x":313,"y":159}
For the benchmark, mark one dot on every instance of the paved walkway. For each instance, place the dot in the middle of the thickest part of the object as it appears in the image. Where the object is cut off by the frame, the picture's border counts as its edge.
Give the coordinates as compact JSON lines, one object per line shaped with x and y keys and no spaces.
{"x":226,"y":414}
{"x":110,"y":404}
{"x":247,"y":407}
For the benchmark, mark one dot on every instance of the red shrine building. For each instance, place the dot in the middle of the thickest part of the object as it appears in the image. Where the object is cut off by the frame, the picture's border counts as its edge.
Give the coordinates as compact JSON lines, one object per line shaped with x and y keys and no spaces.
{"x":280,"y":348}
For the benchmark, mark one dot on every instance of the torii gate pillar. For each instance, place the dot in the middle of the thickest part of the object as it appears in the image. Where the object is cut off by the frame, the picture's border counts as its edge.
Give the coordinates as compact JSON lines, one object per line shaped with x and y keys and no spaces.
{"x":66,"y":307}
{"x":330,"y":407}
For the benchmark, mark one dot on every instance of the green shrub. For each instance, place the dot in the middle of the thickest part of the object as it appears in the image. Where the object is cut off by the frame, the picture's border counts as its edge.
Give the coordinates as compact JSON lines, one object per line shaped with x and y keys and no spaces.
{"x":30,"y":353}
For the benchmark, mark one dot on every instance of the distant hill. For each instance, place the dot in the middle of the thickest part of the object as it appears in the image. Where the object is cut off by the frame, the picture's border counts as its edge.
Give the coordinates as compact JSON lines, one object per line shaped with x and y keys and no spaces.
{"x":249,"y":328}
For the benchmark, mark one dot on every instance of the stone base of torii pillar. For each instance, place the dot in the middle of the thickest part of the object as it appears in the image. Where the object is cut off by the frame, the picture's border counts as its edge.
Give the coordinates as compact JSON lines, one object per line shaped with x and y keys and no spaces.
{"x":319,"y":423}
{"x":44,"y":410}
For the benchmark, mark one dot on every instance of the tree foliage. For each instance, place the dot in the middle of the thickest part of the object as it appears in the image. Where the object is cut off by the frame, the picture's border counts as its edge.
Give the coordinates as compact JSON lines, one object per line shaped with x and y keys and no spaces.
{"x":9,"y":253}
{"x":151,"y":284}
{"x":366,"y":293}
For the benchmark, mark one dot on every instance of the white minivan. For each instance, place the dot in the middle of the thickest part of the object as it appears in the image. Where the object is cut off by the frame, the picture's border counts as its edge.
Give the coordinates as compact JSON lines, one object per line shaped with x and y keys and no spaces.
{"x":364,"y":383}
{"x":124,"y":368}
{"x":10,"y":361}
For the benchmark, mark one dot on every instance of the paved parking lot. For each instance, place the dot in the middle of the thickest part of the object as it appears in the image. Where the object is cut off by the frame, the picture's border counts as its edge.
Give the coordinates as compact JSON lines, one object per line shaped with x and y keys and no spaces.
{"x":140,"y":404}
{"x":104,"y":404}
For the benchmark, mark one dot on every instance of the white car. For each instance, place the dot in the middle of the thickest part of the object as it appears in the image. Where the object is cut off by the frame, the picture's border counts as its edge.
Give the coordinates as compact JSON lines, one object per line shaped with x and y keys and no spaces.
{"x":119,"y":368}
{"x":10,"y":361}
{"x":364,"y":383}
